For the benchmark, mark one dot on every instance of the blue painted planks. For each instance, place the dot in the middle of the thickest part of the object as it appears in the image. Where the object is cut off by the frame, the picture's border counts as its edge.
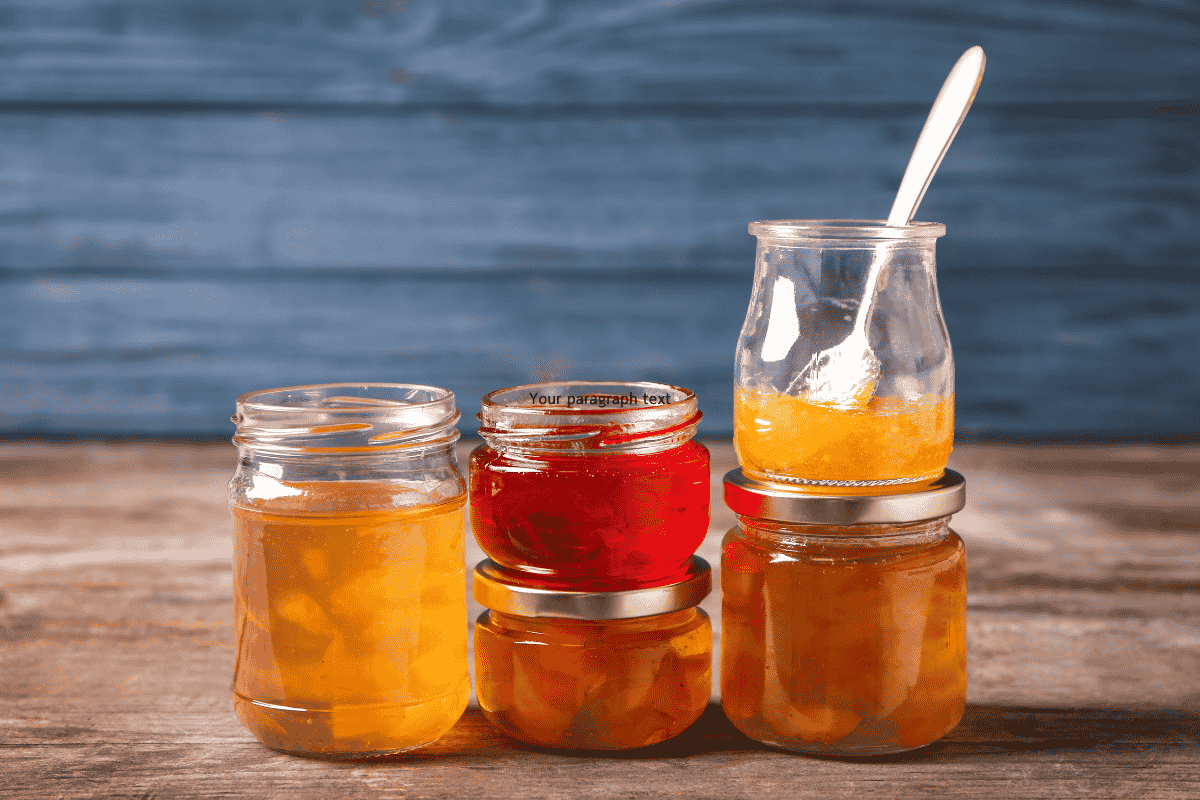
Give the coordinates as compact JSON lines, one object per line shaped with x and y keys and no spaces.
{"x":530,"y":52}
{"x":201,"y":198}
{"x":169,"y":353}
{"x":584,"y":190}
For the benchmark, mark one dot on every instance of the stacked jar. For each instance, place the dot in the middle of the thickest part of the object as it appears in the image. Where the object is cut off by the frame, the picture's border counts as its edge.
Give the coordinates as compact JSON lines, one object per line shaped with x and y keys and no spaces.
{"x":590,"y":500}
{"x":844,"y":589}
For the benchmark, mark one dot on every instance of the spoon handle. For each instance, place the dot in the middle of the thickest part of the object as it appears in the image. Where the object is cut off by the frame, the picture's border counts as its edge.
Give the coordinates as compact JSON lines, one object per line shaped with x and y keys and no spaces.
{"x":945,"y":118}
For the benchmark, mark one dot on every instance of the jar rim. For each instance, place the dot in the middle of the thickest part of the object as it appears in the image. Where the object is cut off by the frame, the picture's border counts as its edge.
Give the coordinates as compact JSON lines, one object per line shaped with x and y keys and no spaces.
{"x":863,"y":229}
{"x":346,"y":417}
{"x":588,"y":416}
{"x":311,"y":392}
{"x":498,"y":590}
{"x":784,"y":503}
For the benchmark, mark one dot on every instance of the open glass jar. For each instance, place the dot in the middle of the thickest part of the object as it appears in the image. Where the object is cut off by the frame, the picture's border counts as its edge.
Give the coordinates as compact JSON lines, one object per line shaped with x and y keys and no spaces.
{"x":809,"y":282}
{"x":348,"y":569}
{"x":592,"y":670}
{"x":843,"y":619}
{"x":596,"y":486}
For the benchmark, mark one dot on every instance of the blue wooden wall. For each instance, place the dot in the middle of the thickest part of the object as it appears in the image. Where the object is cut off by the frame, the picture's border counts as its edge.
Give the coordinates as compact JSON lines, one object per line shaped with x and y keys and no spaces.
{"x":199,"y":198}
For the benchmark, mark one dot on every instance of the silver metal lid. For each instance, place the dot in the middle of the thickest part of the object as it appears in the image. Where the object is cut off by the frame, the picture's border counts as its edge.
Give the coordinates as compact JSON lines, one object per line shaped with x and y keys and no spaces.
{"x":493,"y":591}
{"x":774,"y":501}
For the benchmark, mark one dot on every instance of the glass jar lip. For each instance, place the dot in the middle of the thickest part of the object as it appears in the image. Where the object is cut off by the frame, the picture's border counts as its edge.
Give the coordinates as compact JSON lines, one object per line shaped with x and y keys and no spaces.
{"x":500,"y":591}
{"x":313,"y":391}
{"x":589,"y":415}
{"x":344,"y":417}
{"x":747,"y":497}
{"x":866,"y":229}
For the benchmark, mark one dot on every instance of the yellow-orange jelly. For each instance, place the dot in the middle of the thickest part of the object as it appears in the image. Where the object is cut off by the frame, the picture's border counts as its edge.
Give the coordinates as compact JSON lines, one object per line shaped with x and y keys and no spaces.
{"x":833,"y":643}
{"x":351,"y":625}
{"x":779,"y":436}
{"x":596,"y":685}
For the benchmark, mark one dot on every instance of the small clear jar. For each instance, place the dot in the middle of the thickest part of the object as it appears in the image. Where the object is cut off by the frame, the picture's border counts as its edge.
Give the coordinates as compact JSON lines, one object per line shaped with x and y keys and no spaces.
{"x":592,"y":670}
{"x":585,"y":485}
{"x":348,"y":570}
{"x":843,"y":619}
{"x":809,"y":281}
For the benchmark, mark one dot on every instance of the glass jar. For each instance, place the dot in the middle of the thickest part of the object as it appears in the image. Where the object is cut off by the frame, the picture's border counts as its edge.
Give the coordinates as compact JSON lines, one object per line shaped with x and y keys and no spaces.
{"x":809,"y":281}
{"x":843,"y":621}
{"x":592,"y":670}
{"x":586,"y":485}
{"x":348,"y":569}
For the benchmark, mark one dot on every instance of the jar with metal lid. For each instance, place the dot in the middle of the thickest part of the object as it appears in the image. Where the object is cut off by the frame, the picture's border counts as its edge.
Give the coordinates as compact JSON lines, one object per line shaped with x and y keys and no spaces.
{"x":802,"y":417}
{"x":592,"y":670}
{"x":843,"y":621}
{"x":348,"y":570}
{"x":587,"y":485}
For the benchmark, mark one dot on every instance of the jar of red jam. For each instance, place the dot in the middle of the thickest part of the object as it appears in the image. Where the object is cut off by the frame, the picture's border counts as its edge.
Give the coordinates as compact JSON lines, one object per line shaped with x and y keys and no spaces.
{"x":592,"y":670}
{"x":596,"y":486}
{"x":843,"y":618}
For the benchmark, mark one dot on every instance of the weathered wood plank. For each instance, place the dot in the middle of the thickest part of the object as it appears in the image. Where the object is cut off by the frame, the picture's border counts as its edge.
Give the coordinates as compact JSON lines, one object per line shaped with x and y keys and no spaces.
{"x":511,"y":51}
{"x":594,"y":190}
{"x":167,"y":354}
{"x":1084,"y":646}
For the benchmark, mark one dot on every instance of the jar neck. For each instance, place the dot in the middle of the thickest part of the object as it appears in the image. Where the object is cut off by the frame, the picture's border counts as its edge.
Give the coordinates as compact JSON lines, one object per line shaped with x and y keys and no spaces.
{"x":290,"y":464}
{"x":588,"y":418}
{"x":794,"y":536}
{"x":345,"y":422}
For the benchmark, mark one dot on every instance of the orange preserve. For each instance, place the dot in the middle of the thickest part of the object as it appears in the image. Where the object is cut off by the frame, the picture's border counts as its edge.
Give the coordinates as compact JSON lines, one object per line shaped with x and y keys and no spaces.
{"x":843,"y":639}
{"x":597,"y":683}
{"x":886,"y":440}
{"x":811,"y":406}
{"x":348,"y":572}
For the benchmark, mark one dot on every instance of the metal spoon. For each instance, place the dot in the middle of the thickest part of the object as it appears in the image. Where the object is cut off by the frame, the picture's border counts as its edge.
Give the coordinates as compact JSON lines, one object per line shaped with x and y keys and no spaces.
{"x":847,"y":373}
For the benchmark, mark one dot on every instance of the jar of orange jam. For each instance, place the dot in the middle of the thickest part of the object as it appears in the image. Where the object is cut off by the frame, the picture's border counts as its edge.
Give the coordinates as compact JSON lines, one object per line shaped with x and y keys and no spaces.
{"x":592,"y":670}
{"x":348,"y":570}
{"x":843,"y":621}
{"x":897,"y":426}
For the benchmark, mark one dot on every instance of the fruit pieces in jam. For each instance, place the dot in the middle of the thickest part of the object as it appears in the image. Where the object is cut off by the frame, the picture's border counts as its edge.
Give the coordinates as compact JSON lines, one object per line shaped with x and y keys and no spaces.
{"x":779,"y":436}
{"x":610,"y":685}
{"x":601,"y":522}
{"x":351,"y":626}
{"x":860,"y":653}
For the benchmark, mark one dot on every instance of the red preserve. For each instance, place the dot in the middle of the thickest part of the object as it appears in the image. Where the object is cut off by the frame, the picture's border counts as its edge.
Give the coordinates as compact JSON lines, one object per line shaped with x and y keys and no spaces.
{"x":590,"y":486}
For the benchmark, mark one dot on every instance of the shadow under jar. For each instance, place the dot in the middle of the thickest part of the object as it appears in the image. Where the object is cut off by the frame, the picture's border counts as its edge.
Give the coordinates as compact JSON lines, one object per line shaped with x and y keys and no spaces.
{"x":592,"y":670}
{"x":584,"y":485}
{"x":348,"y":569}
{"x":809,"y":282}
{"x":843,"y":619}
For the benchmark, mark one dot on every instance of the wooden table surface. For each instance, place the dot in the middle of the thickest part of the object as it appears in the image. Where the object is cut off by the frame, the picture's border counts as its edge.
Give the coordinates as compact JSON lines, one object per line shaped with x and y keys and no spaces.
{"x":1084,"y":647}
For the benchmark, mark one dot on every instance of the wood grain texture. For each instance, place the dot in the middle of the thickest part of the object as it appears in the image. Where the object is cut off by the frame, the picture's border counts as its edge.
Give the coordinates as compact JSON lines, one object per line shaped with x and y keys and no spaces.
{"x":588,"y":51}
{"x":1084,"y":647}
{"x":168,"y":353}
{"x":590,"y":188}
{"x":161,"y":158}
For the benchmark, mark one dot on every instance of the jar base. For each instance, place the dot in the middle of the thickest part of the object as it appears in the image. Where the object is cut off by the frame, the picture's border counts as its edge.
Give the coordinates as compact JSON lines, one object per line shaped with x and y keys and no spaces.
{"x":859,"y":744}
{"x":601,"y":740}
{"x":352,"y":731}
